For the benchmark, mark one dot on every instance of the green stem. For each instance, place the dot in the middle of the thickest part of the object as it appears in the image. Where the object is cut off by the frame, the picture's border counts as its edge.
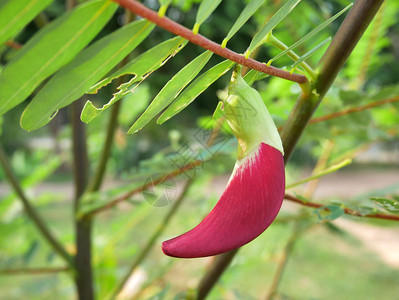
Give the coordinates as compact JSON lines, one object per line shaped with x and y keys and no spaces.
{"x":280,"y":45}
{"x":83,"y":226}
{"x":216,"y":270}
{"x":150,"y":243}
{"x":340,"y":48}
{"x":31,"y":212}
{"x":98,"y":177}
{"x":321,"y":174}
{"x":33,"y":271}
{"x":283,"y":261}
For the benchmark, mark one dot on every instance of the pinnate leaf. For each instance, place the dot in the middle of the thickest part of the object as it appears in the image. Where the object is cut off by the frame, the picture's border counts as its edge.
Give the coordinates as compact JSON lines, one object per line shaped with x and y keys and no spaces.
{"x":280,"y":15}
{"x":195,"y":89}
{"x":205,"y":9}
{"x":51,"y":48}
{"x":14,"y":15}
{"x":310,"y":34}
{"x":248,"y":12}
{"x":72,"y":81}
{"x":171,"y":90}
{"x":310,"y":53}
{"x":140,"y":67}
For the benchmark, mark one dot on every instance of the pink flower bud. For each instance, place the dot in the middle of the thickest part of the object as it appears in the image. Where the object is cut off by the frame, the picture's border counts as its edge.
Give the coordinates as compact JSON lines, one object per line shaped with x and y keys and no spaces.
{"x":255,"y":191}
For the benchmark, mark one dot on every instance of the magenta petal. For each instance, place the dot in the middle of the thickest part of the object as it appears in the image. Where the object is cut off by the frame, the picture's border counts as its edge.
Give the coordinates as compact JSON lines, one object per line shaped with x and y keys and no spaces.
{"x":248,"y":206}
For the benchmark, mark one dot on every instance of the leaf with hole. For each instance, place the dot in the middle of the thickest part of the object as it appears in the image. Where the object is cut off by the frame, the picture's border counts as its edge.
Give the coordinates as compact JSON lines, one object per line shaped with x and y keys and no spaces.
{"x":73,"y":80}
{"x":195,"y":89}
{"x":171,"y":90}
{"x":14,"y":15}
{"x":141,"y":67}
{"x":51,"y":48}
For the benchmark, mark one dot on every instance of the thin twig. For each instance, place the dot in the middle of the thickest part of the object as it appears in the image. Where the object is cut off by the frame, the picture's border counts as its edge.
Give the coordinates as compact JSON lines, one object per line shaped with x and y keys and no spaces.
{"x":352,"y":110}
{"x":320,"y":166}
{"x":33,"y":271}
{"x":31,"y":211}
{"x":216,"y":270}
{"x":140,"y":189}
{"x":289,"y":247}
{"x":347,"y":211}
{"x":205,"y":43}
{"x":145,"y":251}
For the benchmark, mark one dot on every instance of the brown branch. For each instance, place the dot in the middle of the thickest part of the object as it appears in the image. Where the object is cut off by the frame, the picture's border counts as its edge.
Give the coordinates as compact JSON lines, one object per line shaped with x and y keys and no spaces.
{"x":177,"y":29}
{"x":140,"y":189}
{"x":352,"y":110}
{"x":34,"y":271}
{"x":347,"y":211}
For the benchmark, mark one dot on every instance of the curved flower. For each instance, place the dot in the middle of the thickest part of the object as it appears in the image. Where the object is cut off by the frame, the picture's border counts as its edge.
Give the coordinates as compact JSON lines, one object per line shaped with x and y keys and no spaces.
{"x":255,"y":191}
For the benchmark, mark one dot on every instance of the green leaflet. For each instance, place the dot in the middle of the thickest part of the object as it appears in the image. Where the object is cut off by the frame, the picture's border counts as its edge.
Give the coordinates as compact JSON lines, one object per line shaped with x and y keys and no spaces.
{"x":309,"y":53}
{"x":140,"y":67}
{"x":195,"y":89}
{"x":51,"y":48}
{"x":171,"y":90}
{"x":14,"y":15}
{"x":218,"y":113}
{"x":248,"y":12}
{"x":253,"y":76}
{"x":261,"y":35}
{"x":391,"y":205}
{"x":310,"y":34}
{"x":205,"y":9}
{"x":87,"y":68}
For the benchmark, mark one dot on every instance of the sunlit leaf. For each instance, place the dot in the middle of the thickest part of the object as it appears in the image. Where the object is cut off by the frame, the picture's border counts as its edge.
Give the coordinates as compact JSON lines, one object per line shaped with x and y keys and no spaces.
{"x":14,"y":15}
{"x":205,"y":9}
{"x":310,"y":53}
{"x":140,"y":67}
{"x":195,"y":89}
{"x":310,"y":34}
{"x":51,"y":48}
{"x":86,"y":69}
{"x":280,"y":15}
{"x":171,"y":90}
{"x":248,"y":12}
